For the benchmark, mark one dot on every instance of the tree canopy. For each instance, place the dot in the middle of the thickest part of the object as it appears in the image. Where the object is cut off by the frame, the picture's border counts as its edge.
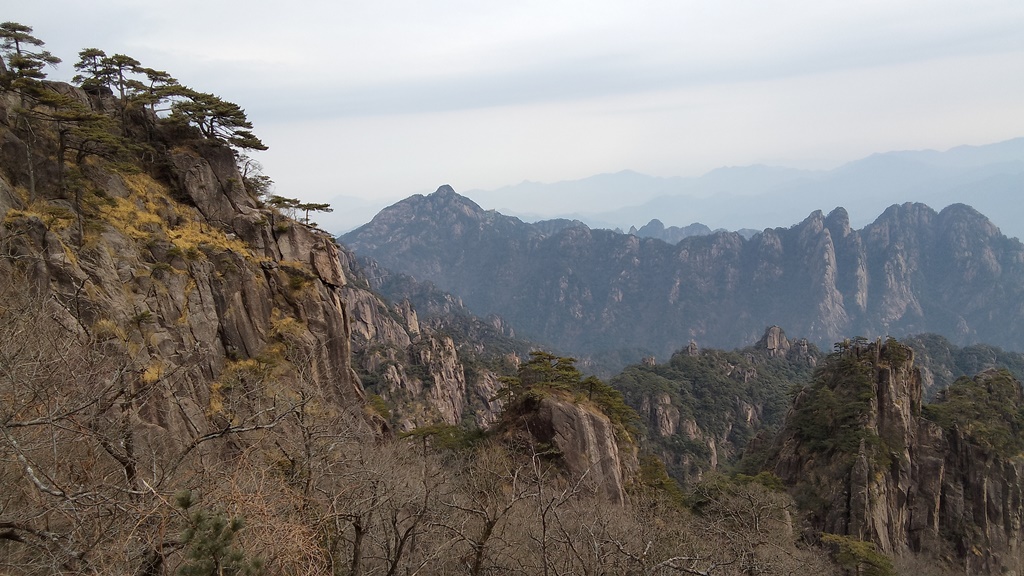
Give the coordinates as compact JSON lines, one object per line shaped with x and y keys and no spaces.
{"x":216,"y":118}
{"x":21,"y":54}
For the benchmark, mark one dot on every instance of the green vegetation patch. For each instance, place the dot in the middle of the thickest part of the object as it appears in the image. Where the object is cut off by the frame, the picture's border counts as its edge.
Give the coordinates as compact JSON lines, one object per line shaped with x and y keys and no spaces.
{"x":987,"y":408}
{"x":545,"y":374}
{"x":731,"y":395}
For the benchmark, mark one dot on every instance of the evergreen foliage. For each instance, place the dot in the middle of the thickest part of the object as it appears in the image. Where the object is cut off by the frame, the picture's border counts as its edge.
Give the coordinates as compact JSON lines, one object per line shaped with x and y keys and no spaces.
{"x":130,"y":82}
{"x":215,"y":118}
{"x":546,"y":373}
{"x":987,"y":408}
{"x":208,"y":542}
{"x":24,"y":61}
{"x":710,"y":389}
{"x":860,"y":557}
{"x":829,"y":415}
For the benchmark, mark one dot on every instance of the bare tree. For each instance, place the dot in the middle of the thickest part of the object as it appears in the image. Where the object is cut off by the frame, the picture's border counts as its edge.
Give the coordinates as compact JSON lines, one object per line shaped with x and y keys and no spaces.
{"x":491,"y":484}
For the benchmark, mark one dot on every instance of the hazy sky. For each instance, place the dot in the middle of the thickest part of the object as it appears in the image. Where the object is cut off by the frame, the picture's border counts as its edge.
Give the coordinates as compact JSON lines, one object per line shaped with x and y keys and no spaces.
{"x":382,"y":99}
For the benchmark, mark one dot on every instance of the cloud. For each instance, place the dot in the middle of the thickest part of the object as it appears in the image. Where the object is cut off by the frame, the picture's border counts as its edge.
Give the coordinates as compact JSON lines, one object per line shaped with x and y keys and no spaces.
{"x":398,"y":96}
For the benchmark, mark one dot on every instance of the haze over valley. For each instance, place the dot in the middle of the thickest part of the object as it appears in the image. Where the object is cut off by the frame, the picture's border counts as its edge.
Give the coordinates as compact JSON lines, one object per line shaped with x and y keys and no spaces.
{"x":989,"y":178}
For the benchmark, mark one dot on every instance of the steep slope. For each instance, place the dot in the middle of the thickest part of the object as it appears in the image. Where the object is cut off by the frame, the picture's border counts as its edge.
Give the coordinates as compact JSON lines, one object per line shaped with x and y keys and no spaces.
{"x":439,"y":367}
{"x":183,"y":268}
{"x":592,"y":292}
{"x":159,"y":324}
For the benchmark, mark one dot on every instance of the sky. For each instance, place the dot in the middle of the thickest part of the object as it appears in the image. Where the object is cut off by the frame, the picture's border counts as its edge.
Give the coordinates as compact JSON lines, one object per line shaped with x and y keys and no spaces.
{"x":378,"y":100}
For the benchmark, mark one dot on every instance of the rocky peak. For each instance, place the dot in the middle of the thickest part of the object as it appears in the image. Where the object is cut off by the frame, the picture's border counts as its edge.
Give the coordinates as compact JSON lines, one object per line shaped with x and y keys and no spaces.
{"x":445,"y":191}
{"x":653,"y":228}
{"x":592,"y":291}
{"x":671,"y":234}
{"x":838,"y":222}
{"x":813,"y":224}
{"x":899,"y":219}
{"x":774,"y":342}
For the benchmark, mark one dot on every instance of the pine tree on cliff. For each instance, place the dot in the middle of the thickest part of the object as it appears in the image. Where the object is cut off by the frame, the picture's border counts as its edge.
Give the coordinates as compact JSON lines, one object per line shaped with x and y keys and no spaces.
{"x":22,"y":61}
{"x":216,"y":118}
{"x":24,"y":65}
{"x":123,"y":75}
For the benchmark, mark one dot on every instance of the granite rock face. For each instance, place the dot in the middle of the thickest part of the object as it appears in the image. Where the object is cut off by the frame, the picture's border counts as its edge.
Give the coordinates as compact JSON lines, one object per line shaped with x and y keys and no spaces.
{"x":181,"y":271}
{"x":774,"y":342}
{"x":585,"y":439}
{"x":909,"y":485}
{"x":415,"y":366}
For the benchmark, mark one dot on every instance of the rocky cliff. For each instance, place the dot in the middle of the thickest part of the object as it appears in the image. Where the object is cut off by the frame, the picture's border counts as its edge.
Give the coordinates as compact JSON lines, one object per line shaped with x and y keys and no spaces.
{"x":585,"y":439}
{"x":434,"y":367}
{"x":944,"y":480}
{"x":941,"y":362}
{"x":591,"y":292}
{"x":180,"y":267}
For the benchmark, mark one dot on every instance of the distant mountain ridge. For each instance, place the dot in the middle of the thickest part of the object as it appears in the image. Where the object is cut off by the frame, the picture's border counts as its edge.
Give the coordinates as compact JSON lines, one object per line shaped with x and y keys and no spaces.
{"x":593,"y":292}
{"x":987,"y":177}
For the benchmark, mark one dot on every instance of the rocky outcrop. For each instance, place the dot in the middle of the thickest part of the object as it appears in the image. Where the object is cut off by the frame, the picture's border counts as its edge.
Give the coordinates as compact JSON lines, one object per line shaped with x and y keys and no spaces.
{"x":221,"y":312}
{"x":672,"y":234}
{"x":585,"y":440}
{"x":415,"y":366}
{"x":458,"y":380}
{"x":591,"y":291}
{"x":942,"y":362}
{"x":879,"y":470}
{"x":774,"y":342}
{"x":663,"y":417}
{"x":703,"y":407}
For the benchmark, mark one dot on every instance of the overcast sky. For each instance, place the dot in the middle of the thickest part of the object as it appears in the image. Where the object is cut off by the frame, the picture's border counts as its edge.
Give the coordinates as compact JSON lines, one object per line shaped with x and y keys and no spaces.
{"x":383,"y":99}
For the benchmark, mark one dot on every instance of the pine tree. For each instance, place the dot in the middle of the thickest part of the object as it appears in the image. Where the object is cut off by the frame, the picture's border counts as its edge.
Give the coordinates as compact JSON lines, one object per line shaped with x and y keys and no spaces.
{"x":208,"y":542}
{"x":23,"y":63}
{"x":93,"y":72}
{"x":216,"y":118}
{"x":308,"y":207}
{"x":23,"y":72}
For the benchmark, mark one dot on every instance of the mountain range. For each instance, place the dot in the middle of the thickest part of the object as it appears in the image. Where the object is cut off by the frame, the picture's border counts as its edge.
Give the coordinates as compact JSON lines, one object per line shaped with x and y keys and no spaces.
{"x":603,"y":294}
{"x":194,"y":382}
{"x":987,"y":177}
